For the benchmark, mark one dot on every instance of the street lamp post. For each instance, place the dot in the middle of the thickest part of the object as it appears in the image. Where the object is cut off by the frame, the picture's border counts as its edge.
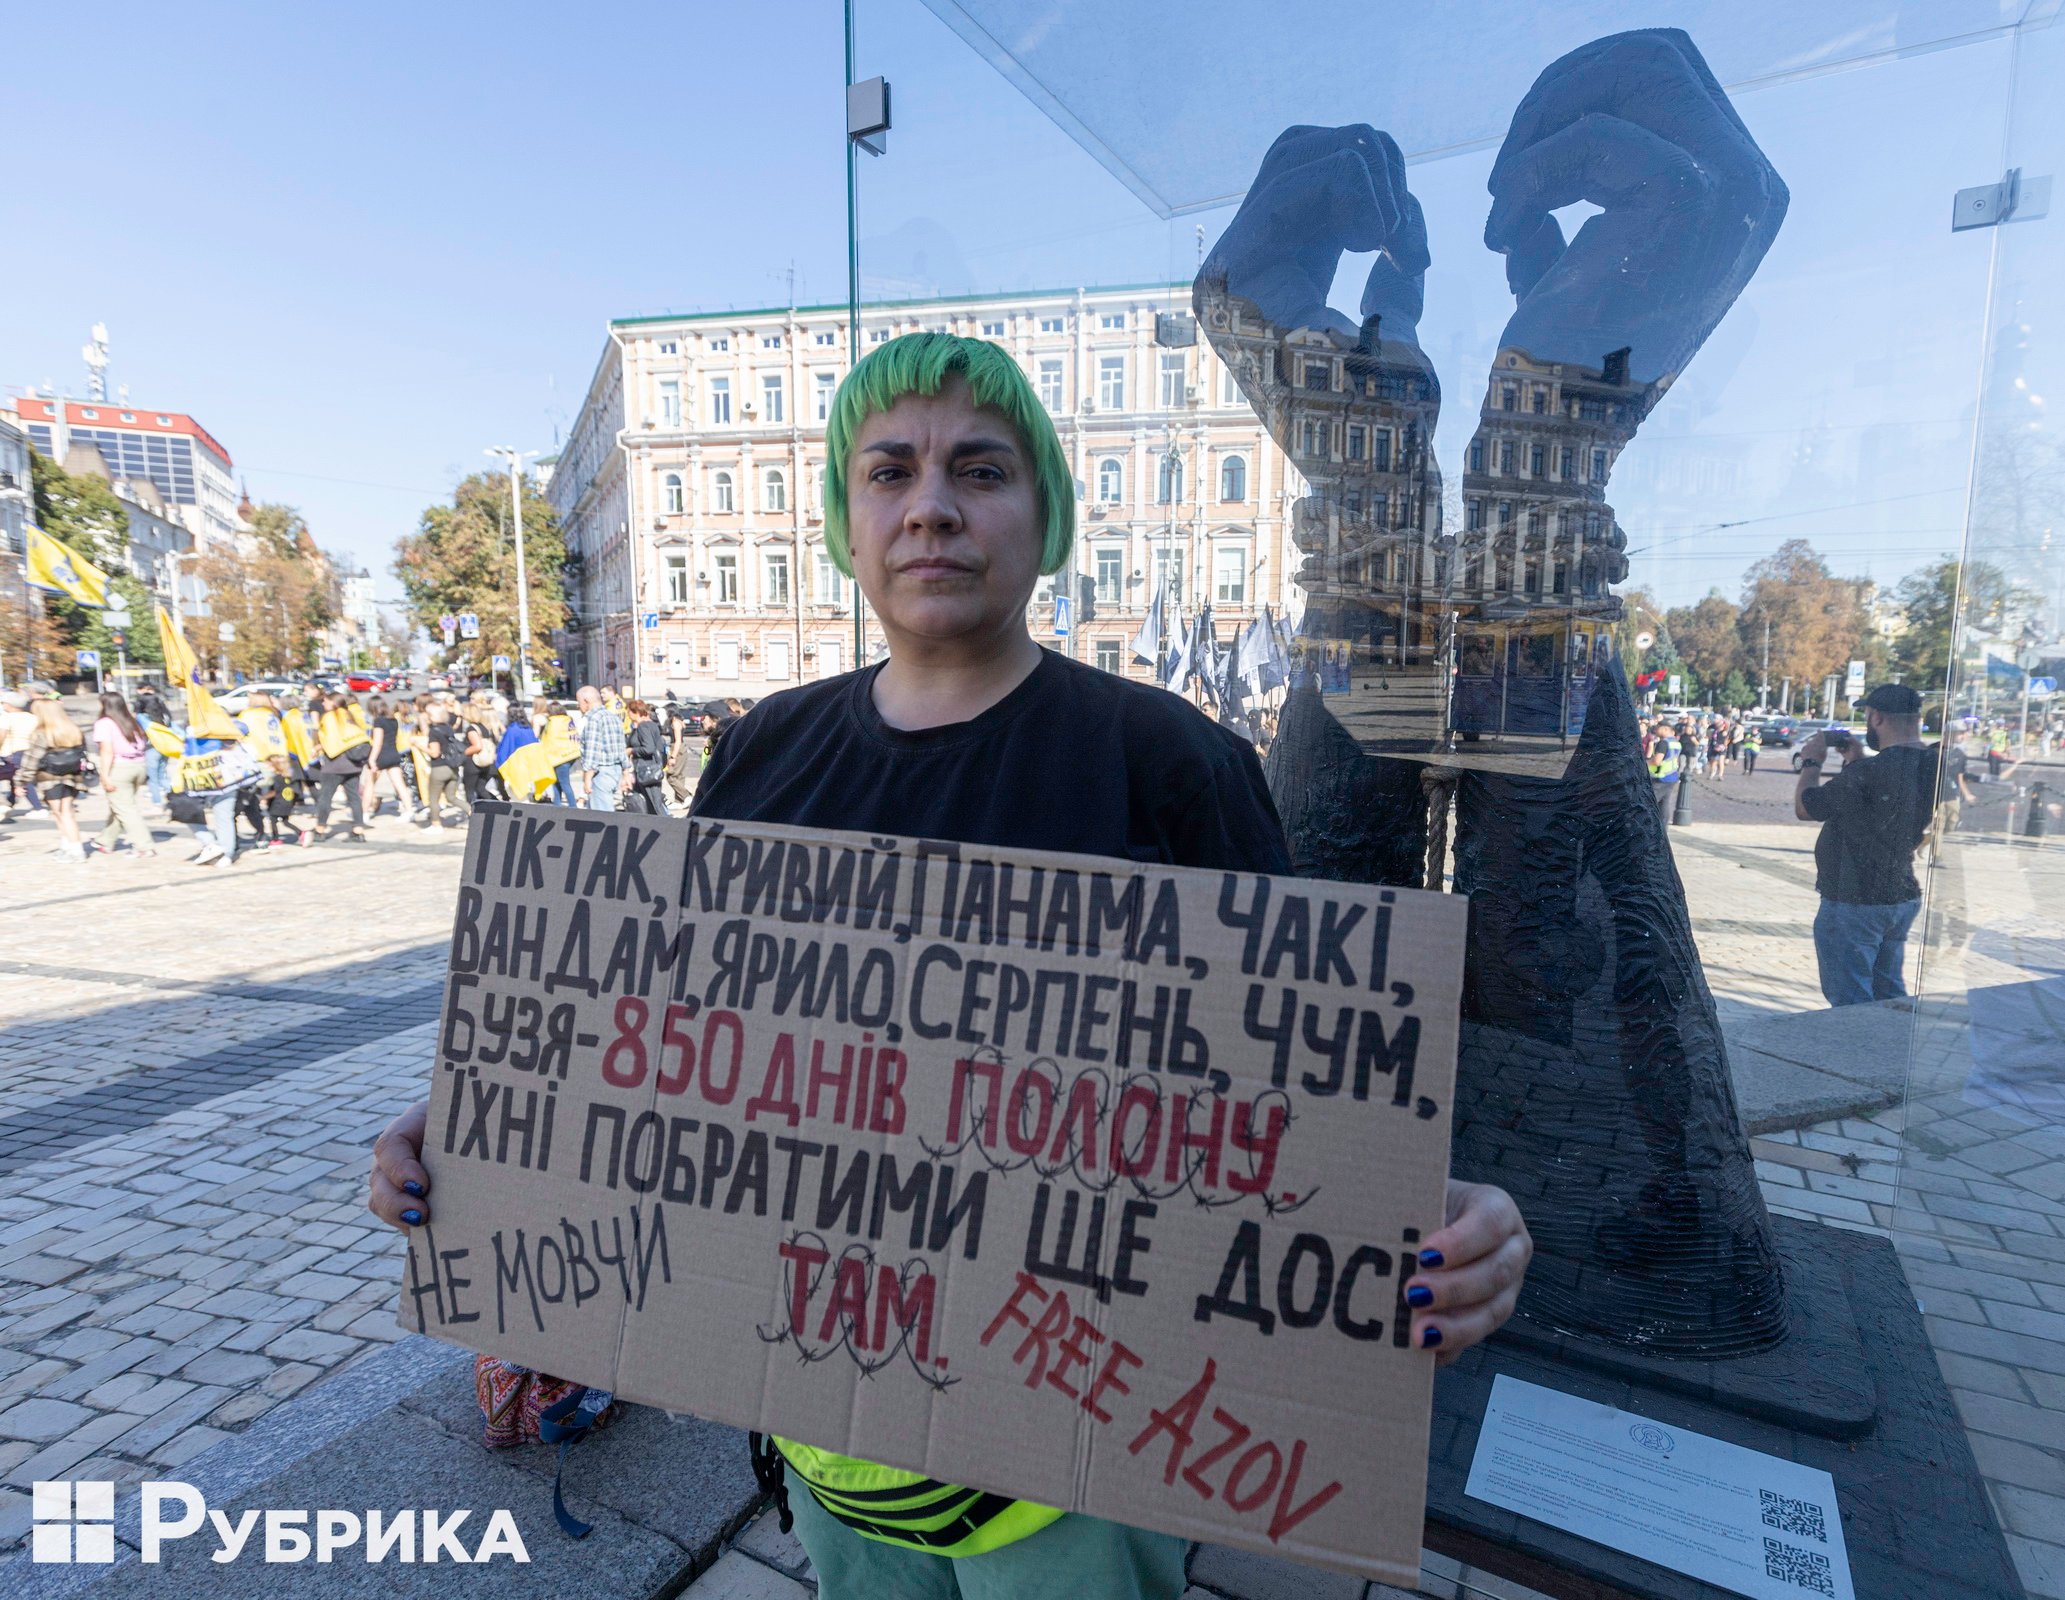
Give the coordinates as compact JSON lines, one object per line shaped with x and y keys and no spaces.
{"x":516,"y":459}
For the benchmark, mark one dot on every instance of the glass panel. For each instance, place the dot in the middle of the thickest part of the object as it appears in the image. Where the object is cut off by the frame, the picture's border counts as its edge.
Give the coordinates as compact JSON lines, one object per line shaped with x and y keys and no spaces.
{"x":1604,"y":433}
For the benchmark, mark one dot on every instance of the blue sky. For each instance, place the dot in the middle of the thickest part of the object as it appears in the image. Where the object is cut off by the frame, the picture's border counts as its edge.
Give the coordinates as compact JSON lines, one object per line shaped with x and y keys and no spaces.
{"x":362,"y":245}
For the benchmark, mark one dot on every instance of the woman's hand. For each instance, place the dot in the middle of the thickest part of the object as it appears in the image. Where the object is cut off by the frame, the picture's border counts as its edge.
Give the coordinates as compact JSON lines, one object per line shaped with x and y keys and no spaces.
{"x":397,"y":1184}
{"x":1470,"y":1270}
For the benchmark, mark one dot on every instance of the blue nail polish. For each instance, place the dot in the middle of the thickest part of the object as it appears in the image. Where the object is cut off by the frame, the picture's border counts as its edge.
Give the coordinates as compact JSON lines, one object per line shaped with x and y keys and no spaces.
{"x":1430,"y":1338}
{"x":1419,"y":1295}
{"x":1431,"y":1258}
{"x":412,"y":1216}
{"x":414,"y":1188}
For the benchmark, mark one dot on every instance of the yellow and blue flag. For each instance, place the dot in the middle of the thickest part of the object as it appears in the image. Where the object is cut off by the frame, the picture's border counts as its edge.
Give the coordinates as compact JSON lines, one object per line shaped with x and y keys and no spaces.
{"x":58,"y":567}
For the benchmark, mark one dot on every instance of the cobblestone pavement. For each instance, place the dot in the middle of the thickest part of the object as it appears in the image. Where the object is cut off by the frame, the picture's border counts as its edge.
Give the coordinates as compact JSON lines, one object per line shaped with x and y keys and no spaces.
{"x":193,"y":1062}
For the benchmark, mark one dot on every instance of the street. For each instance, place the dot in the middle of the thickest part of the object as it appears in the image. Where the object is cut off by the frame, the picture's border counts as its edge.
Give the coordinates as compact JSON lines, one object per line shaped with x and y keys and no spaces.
{"x":193,"y":1065}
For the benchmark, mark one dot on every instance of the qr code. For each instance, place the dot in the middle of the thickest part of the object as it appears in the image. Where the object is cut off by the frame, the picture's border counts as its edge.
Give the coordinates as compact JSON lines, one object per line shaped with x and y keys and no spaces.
{"x":1807,"y":1568}
{"x":1802,"y":1518}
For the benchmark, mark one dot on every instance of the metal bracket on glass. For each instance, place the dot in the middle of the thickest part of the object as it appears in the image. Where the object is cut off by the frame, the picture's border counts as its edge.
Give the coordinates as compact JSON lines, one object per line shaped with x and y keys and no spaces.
{"x":867,"y":114}
{"x":2015,"y":198}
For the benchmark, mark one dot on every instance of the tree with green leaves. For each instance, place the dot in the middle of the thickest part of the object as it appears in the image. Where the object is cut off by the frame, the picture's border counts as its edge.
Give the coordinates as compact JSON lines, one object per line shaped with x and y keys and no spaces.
{"x":1940,"y":598}
{"x":462,"y":557}
{"x":1736,"y":690}
{"x":83,"y":514}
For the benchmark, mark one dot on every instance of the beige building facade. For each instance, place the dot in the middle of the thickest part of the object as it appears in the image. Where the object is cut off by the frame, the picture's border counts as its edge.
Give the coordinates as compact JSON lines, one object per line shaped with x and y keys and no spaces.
{"x":690,"y":487}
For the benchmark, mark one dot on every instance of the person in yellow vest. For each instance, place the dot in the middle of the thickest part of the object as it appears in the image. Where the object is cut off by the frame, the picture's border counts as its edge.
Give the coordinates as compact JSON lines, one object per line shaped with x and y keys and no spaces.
{"x":555,"y":730}
{"x":947,"y":495}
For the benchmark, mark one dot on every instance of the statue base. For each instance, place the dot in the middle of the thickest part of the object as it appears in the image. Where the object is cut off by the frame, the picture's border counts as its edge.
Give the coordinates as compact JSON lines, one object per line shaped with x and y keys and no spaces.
{"x":1854,"y":1390}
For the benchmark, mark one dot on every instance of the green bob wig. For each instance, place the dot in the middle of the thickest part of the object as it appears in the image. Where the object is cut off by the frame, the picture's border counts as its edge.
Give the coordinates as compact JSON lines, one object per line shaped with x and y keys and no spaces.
{"x":919,"y":363}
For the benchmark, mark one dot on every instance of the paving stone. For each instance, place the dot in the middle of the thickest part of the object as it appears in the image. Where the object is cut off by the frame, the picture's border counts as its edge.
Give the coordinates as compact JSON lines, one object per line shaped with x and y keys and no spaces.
{"x":227,"y":1367}
{"x":737,"y":1576}
{"x":764,"y":1540}
{"x":41,"y":1419}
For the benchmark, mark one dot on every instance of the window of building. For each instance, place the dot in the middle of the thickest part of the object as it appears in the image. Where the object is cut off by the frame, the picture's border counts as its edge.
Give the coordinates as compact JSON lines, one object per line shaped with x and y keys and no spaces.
{"x":1473,"y":514}
{"x":1476,"y":455}
{"x":670,"y":347}
{"x":1509,"y":398}
{"x":1383,"y":450}
{"x":774,"y":591}
{"x":1567,"y":468}
{"x":1538,"y":401}
{"x":879,"y":336}
{"x":720,"y":492}
{"x":1169,"y":481}
{"x":1380,"y":509}
{"x":993,"y":330}
{"x":720,"y":341}
{"x":727,"y":568}
{"x":1230,"y":575}
{"x":1173,"y":374}
{"x":1168,"y":574}
{"x":1318,"y":375}
{"x":1530,"y":579}
{"x":1107,"y":655}
{"x":1559,"y":582}
{"x":1111,"y":481}
{"x":770,"y":341}
{"x":720,"y":400}
{"x":89,"y":413}
{"x":1111,"y":382}
{"x":824,"y":383}
{"x":1598,"y":466}
{"x":164,"y":422}
{"x":1505,"y":513}
{"x":1050,"y":382}
{"x":670,"y":404}
{"x":129,"y":416}
{"x":830,"y":587}
{"x":1051,"y":325}
{"x":1351,"y":504}
{"x":1112,"y":319}
{"x":825,"y":336}
{"x":774,"y":490}
{"x":1358,"y":443}
{"x":1505,"y":458}
{"x":1233,"y":478}
{"x":1312,"y":438}
{"x":677,"y":580}
{"x":1537,"y":460}
{"x":771,"y":396}
{"x":1111,"y":573}
{"x":670,"y":494}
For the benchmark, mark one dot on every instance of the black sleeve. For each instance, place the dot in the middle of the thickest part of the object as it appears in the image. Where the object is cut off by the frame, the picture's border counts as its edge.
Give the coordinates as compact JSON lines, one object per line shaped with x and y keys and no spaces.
{"x":1230,"y":821}
{"x":1837,"y":795}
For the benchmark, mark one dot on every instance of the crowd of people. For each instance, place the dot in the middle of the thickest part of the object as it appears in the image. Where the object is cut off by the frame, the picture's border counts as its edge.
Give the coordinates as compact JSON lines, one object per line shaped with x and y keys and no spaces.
{"x":1700,"y":744}
{"x":280,"y":766}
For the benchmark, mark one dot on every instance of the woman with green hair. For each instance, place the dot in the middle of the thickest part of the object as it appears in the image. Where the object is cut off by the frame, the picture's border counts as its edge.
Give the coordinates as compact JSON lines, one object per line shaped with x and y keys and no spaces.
{"x":947,"y":495}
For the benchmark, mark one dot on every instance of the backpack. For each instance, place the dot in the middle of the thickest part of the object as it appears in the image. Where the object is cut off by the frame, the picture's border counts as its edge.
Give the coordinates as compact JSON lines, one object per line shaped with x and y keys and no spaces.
{"x":519,"y":1406}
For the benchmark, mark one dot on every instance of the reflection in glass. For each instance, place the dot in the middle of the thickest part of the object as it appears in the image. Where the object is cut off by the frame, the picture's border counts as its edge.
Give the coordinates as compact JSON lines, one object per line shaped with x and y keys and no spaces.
{"x":1594,"y":1080}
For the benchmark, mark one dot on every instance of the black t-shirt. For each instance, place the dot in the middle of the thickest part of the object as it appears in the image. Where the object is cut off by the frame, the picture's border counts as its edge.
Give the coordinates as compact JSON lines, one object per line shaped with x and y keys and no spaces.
{"x":444,"y":745}
{"x":1873,"y":815}
{"x":390,"y":748}
{"x":1073,"y":759}
{"x":1955,"y":764}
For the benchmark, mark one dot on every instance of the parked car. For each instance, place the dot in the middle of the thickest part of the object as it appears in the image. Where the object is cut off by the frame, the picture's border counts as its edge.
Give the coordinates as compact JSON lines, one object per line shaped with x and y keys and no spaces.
{"x":234,"y":700}
{"x":1778,"y":733}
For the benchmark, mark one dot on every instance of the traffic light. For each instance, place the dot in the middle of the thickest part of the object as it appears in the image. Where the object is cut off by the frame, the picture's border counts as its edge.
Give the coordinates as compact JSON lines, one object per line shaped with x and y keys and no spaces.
{"x":119,"y":639}
{"x":1086,"y":597}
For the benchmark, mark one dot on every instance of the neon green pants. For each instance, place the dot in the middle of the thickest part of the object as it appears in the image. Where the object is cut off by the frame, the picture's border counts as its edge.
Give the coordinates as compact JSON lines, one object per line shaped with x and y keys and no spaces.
{"x":1076,"y":1558}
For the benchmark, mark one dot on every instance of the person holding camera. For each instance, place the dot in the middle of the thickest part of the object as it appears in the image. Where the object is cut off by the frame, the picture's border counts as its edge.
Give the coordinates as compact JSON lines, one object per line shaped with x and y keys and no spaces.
{"x":1874,"y":814}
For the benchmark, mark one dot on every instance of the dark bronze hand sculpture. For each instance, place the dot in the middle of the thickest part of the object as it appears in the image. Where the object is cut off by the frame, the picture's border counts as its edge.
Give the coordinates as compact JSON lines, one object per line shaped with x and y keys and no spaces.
{"x":1594,"y":1082}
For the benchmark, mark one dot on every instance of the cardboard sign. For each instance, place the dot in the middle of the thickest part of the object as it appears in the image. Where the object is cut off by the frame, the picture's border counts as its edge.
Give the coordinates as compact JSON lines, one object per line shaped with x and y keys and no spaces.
{"x":1092,"y":1183}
